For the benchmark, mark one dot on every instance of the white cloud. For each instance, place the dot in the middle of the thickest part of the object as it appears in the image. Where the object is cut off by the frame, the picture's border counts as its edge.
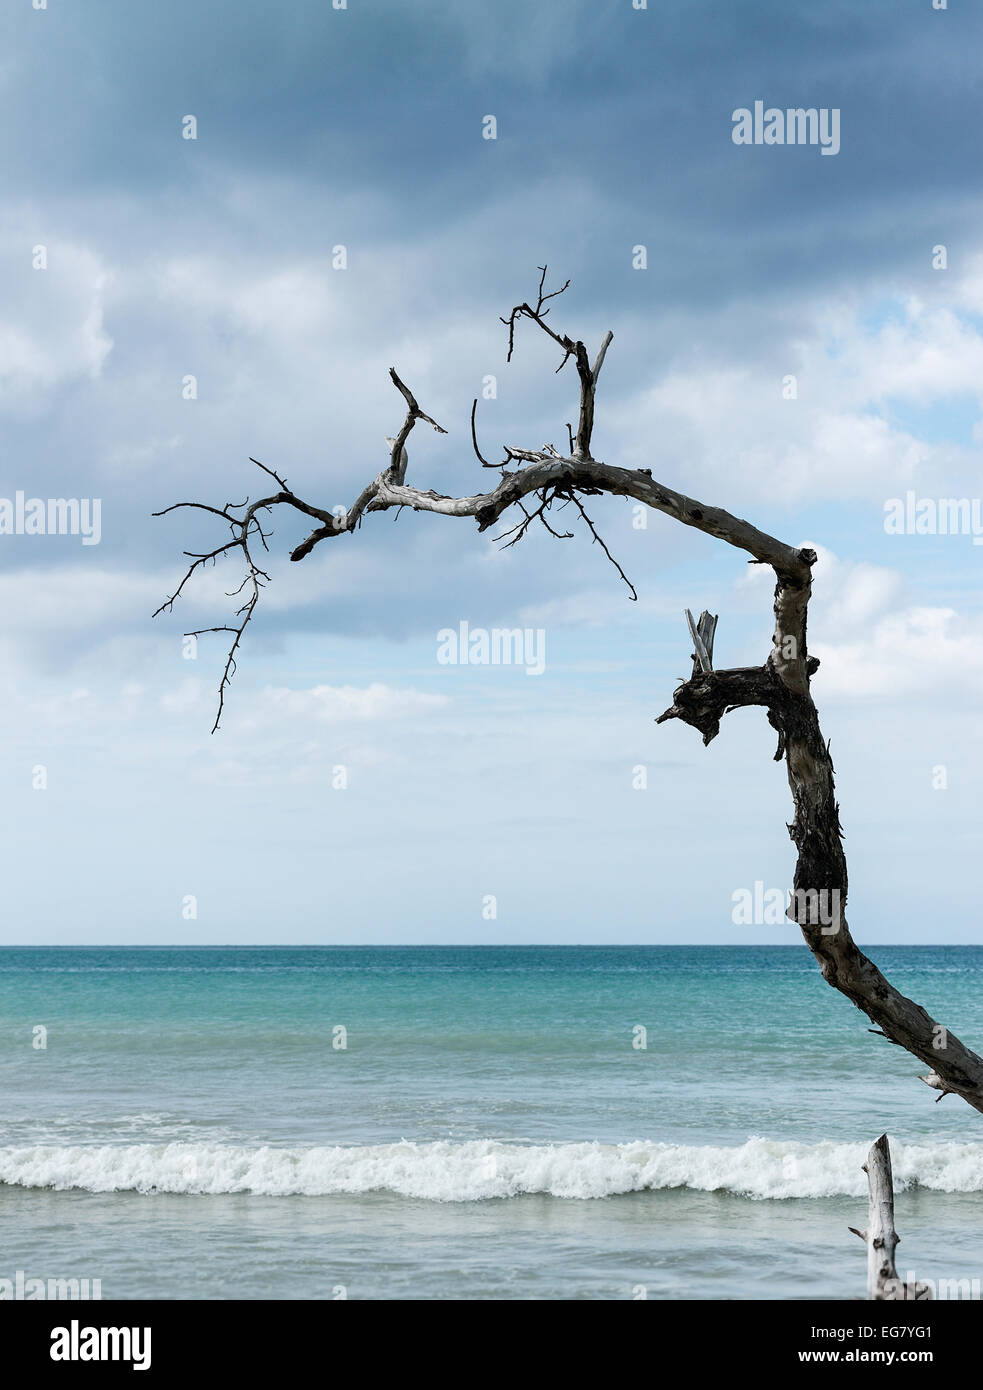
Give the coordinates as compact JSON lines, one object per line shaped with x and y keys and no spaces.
{"x":185,"y":698}
{"x":915,"y":652}
{"x":327,"y":703}
{"x":871,"y":643}
{"x":52,"y":329}
{"x":722,"y":411}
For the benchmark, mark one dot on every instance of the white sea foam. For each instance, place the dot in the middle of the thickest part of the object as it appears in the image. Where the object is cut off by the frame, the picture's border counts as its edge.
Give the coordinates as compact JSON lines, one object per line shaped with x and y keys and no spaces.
{"x":451,"y":1172}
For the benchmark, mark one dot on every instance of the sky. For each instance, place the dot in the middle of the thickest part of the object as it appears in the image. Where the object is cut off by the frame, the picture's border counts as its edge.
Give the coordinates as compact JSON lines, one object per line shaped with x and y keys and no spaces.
{"x":798,"y":337}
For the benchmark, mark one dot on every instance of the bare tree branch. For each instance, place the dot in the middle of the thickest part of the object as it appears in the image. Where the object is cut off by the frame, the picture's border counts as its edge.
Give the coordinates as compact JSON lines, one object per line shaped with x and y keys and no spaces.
{"x":781,"y":685}
{"x":580,"y":507}
{"x":413,"y":413}
{"x":474,"y":441}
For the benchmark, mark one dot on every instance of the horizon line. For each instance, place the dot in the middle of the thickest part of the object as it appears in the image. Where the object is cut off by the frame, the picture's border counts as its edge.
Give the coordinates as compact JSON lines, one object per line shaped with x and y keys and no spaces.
{"x":444,"y":945}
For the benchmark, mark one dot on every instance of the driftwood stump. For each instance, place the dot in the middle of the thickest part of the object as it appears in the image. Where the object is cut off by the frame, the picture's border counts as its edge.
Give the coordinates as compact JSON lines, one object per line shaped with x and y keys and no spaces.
{"x":882,"y":1239}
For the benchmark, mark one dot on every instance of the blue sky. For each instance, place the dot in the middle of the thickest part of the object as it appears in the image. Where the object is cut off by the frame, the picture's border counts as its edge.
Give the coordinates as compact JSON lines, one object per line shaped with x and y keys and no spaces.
{"x":167,"y":257}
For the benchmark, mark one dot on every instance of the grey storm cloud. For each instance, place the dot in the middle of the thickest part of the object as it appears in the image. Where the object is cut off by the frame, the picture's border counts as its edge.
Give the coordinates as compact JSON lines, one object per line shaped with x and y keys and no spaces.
{"x":212,"y":258}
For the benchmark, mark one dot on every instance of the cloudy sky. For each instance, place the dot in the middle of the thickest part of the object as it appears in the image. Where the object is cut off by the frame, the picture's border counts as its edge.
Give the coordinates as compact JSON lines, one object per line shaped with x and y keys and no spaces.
{"x":133,"y":258}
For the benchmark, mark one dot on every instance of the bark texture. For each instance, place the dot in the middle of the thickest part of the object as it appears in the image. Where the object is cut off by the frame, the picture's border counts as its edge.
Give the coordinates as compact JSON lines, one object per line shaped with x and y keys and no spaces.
{"x":883,"y":1284}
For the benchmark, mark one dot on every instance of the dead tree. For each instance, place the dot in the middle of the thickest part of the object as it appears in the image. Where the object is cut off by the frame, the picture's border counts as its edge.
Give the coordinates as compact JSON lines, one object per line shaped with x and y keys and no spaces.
{"x":880,"y":1236}
{"x":548,"y":478}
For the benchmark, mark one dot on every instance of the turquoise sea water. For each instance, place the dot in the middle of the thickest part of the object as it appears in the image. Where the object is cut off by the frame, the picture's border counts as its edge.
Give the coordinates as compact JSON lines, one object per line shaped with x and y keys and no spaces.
{"x":455,"y":1122}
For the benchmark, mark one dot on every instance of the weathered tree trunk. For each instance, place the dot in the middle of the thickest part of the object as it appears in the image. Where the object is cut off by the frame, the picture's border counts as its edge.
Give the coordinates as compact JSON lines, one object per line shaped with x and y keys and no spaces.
{"x":782,"y":685}
{"x":882,"y":1239}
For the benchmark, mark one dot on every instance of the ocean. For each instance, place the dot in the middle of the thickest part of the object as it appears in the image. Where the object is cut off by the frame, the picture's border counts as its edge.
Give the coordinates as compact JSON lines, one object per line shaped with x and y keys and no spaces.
{"x":472,"y":1122}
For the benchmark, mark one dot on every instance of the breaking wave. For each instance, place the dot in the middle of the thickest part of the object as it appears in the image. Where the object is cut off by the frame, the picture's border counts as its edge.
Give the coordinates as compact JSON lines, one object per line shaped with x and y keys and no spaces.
{"x":482,"y":1169}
